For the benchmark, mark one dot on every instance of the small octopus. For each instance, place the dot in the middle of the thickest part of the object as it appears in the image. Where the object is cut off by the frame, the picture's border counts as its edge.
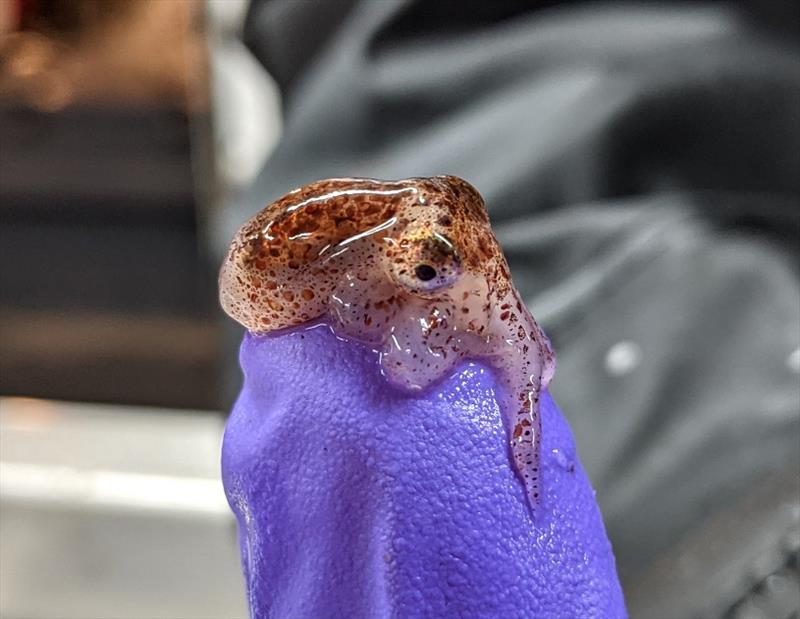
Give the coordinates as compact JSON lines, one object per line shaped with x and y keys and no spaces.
{"x":411,"y":268}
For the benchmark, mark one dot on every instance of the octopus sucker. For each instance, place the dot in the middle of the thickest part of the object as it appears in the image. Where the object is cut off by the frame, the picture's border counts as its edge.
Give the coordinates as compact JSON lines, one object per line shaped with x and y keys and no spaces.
{"x":410,"y":267}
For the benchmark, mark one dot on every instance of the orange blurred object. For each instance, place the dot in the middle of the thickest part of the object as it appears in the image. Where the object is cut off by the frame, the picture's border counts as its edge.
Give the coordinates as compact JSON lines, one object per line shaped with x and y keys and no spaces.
{"x":57,"y":52}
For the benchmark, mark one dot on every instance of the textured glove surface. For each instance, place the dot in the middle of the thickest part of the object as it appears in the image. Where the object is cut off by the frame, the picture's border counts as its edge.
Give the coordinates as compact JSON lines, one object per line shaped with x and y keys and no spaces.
{"x":357,"y":500}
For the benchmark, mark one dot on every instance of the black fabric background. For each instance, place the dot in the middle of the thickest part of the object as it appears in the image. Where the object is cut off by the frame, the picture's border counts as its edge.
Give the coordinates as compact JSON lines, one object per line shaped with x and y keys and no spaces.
{"x":641,"y":165}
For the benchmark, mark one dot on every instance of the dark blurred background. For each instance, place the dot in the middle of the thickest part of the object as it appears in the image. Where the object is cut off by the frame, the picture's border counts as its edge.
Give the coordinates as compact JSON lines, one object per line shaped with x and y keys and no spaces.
{"x":641,"y":165}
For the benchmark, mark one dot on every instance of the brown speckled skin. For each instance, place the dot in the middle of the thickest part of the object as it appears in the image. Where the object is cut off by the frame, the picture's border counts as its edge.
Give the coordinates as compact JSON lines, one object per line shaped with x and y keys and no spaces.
{"x":348,"y":250}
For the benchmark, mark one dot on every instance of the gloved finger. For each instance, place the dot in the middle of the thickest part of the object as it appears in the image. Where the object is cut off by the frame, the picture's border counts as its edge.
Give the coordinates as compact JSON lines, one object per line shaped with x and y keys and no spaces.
{"x":355,"y":499}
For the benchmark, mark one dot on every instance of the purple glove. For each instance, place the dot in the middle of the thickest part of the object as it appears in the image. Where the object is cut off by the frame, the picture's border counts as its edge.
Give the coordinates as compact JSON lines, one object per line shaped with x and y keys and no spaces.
{"x":356,"y":500}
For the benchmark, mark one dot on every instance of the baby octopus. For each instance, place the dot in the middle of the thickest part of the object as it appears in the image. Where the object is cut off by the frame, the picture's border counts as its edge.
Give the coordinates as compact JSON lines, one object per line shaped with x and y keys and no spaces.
{"x":409,"y":267}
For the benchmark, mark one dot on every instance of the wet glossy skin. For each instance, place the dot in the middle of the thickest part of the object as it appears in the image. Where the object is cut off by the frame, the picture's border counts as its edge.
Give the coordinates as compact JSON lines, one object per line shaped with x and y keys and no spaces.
{"x":409,"y":267}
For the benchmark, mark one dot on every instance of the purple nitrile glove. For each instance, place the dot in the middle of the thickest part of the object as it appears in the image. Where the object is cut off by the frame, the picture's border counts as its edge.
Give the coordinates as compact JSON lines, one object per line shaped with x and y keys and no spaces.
{"x":356,"y":500}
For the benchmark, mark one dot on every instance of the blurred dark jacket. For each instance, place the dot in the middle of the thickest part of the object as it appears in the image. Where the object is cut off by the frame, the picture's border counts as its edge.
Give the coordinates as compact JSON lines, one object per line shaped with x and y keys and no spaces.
{"x":641,"y":165}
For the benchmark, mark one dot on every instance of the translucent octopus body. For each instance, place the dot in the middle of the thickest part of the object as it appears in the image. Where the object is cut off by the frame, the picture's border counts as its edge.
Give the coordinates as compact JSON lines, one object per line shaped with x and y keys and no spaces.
{"x":411,"y":268}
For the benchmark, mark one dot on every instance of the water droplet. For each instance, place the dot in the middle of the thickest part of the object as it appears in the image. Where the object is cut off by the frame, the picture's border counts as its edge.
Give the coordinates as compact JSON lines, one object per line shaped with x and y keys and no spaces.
{"x":623,"y":358}
{"x":793,"y":361}
{"x":564,"y":461}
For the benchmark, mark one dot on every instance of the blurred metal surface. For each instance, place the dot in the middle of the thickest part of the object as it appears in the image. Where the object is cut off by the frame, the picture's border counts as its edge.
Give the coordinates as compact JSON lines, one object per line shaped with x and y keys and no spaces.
{"x":113,"y":512}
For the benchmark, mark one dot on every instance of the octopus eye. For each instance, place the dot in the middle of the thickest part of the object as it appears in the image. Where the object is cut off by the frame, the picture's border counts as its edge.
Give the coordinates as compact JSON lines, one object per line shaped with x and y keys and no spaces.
{"x":425,"y":272}
{"x":426,"y":265}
